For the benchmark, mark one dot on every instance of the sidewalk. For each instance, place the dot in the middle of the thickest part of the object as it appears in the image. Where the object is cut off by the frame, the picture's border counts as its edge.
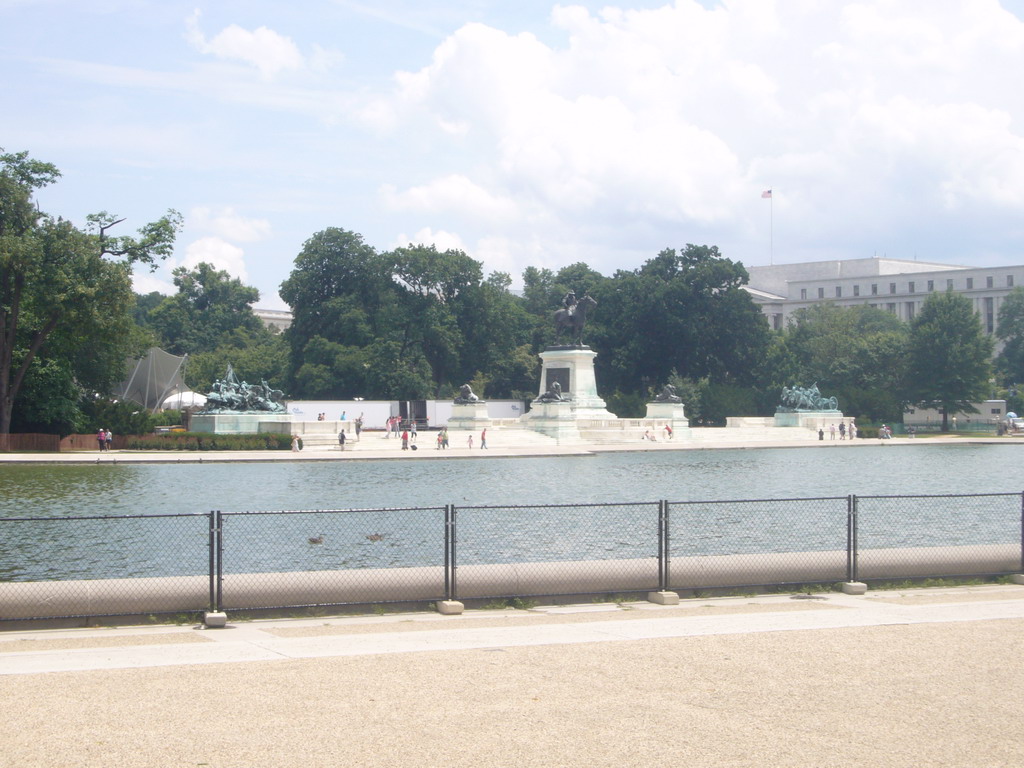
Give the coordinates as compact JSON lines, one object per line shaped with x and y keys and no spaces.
{"x":913,"y":678}
{"x":375,"y":447}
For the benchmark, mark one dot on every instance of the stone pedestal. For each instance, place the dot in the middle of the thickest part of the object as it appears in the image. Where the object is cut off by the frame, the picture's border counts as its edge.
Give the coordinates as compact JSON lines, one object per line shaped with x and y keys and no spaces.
{"x":813,"y":420}
{"x":241,"y":423}
{"x":671,"y":412}
{"x":469,"y":416}
{"x":573,"y":369}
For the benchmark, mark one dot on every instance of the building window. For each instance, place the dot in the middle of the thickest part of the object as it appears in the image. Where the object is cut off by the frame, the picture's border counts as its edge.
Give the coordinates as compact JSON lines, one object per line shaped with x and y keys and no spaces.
{"x":990,"y":315}
{"x":910,"y":287}
{"x":997,"y":411}
{"x":892,"y":287}
{"x":891,"y":308}
{"x":803,"y":293}
{"x":910,"y":311}
{"x":839,"y":292}
{"x":856,"y":290}
{"x":1009,"y":281}
{"x":874,"y":289}
{"x":777,"y":322}
{"x":970,"y":283}
{"x":949,"y":283}
{"x":821,"y":293}
{"x":931,"y":286}
{"x":988,"y":281}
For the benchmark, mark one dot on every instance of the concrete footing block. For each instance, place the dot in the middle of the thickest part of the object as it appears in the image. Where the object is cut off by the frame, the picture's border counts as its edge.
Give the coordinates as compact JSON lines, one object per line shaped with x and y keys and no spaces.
{"x":450,"y":607}
{"x":854,"y":587}
{"x":1017,"y":578}
{"x":215,"y":619}
{"x":663,"y":598}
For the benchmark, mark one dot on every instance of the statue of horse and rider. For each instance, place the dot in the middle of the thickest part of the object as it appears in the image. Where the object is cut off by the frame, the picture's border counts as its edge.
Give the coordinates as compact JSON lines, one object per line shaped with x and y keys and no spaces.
{"x":573,"y":317}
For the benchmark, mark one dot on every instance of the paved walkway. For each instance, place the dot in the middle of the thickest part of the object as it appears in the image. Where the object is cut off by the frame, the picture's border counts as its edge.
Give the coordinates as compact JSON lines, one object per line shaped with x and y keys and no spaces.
{"x":374,"y":446}
{"x":915,"y":678}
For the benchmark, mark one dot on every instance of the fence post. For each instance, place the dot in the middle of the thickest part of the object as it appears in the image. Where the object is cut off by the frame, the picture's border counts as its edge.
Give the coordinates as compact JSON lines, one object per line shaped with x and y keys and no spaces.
{"x":447,"y":551}
{"x":220,"y":561}
{"x":663,"y":561}
{"x":851,"y":538}
{"x":213,"y":560}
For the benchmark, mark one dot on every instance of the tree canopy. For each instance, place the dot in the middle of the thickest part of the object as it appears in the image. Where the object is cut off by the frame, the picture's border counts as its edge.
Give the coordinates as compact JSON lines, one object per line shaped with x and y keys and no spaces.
{"x":948,"y":365}
{"x":65,"y":296}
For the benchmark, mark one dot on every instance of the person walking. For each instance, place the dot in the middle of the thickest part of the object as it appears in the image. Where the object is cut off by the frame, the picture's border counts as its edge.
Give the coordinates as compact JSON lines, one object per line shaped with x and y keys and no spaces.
{"x":101,"y":438}
{"x":469,"y":441}
{"x":109,"y":439}
{"x":341,"y":439}
{"x":444,"y":438}
{"x":483,"y":439}
{"x":832,"y":431}
{"x":405,"y":440}
{"x":842,"y":430}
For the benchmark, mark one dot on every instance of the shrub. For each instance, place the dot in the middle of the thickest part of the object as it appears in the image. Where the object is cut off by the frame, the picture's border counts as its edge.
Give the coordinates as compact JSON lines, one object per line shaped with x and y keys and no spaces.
{"x":203,"y":441}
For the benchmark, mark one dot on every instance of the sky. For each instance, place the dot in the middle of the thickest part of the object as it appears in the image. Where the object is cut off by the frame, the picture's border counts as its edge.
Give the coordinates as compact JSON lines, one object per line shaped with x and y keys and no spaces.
{"x":529,"y":133}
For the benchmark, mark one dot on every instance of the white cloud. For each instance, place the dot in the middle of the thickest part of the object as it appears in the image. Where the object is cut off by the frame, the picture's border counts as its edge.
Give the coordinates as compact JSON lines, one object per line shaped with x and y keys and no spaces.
{"x":144,"y":282}
{"x":220,"y":253}
{"x":443,"y":241}
{"x":864,"y":117}
{"x":453,"y":192}
{"x":262,"y":48}
{"x":226,"y":223}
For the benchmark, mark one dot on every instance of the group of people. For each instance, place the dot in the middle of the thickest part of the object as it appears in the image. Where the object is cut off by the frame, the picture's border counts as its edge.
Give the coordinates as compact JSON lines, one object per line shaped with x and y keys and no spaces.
{"x":394,"y":425}
{"x":667,"y":430}
{"x":105,"y":439}
{"x":842,"y":429}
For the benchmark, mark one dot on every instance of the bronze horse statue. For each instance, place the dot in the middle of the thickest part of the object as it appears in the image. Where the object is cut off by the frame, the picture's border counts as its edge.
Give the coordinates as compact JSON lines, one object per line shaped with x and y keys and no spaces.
{"x":575,"y":320}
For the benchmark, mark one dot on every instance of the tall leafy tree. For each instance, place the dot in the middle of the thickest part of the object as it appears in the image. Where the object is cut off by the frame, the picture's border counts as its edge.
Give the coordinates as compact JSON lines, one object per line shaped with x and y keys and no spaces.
{"x":949,"y":353}
{"x":342,"y":299}
{"x":683,"y":312}
{"x":208,"y":308}
{"x":63,"y":288}
{"x":858,"y":354}
{"x":1010,"y":361}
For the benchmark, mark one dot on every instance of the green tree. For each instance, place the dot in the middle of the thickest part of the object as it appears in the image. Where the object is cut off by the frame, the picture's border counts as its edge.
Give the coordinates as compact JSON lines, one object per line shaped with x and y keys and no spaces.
{"x":341,"y":294}
{"x":858,"y":354}
{"x":1010,"y":331}
{"x":64,"y":288}
{"x":208,"y":308}
{"x":683,"y":312}
{"x":948,"y":361}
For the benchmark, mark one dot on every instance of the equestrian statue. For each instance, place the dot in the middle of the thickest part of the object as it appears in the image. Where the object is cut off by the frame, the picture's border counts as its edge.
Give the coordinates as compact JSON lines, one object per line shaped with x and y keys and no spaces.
{"x":573,"y":317}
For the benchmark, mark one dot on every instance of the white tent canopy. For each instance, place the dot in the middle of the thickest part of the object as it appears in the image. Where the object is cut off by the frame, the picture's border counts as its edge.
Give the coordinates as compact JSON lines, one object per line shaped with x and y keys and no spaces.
{"x":183,"y":400}
{"x":153,"y":379}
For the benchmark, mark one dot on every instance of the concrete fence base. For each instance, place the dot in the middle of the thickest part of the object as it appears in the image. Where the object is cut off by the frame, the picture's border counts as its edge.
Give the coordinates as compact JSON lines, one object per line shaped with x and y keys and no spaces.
{"x":254,"y":591}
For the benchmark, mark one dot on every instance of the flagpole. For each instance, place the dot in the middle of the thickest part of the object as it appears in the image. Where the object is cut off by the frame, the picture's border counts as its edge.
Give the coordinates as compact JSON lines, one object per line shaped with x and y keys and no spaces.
{"x":771,"y":225}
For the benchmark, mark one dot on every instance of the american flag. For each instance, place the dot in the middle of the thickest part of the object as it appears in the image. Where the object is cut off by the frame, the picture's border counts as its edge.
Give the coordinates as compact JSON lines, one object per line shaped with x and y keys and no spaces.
{"x":766,"y":193}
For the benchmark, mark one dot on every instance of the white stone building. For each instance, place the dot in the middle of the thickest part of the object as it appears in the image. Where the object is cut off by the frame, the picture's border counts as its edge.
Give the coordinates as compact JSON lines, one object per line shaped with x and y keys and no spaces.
{"x":895,"y":285}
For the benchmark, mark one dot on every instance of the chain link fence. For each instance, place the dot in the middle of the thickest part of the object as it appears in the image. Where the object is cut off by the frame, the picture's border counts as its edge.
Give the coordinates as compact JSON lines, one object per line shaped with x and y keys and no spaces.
{"x":932,"y":536}
{"x":330,"y":557}
{"x":142,"y":564}
{"x":566,"y":549}
{"x":105,"y":566}
{"x":756,"y":542}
